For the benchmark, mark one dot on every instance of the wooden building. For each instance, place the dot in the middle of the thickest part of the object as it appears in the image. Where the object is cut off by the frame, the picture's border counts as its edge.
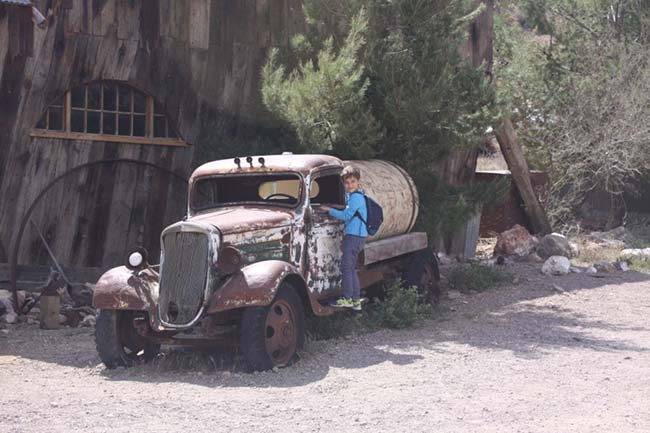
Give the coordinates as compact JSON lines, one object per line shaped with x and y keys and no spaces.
{"x":143,"y":80}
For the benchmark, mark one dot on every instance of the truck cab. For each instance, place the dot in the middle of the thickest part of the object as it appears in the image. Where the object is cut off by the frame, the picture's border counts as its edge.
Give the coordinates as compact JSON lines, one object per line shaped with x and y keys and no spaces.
{"x":254,"y":257}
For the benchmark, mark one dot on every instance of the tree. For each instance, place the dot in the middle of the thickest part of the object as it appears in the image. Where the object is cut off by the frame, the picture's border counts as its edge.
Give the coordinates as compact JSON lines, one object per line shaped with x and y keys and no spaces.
{"x":388,"y":79}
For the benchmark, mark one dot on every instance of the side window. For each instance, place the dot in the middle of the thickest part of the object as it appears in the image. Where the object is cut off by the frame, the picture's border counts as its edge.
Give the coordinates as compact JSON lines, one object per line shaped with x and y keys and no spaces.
{"x":326,"y":190}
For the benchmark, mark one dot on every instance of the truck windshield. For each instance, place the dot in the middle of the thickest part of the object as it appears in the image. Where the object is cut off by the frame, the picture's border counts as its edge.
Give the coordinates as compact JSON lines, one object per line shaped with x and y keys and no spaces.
{"x":276,"y":189}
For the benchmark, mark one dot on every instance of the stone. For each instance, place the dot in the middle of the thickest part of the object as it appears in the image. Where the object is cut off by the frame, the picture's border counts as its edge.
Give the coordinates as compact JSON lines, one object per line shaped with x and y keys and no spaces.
{"x":88,"y":322}
{"x":444,"y":259}
{"x":622,"y":266}
{"x":556,"y":244}
{"x":605,"y":267}
{"x":535,"y":258}
{"x":556,"y":265}
{"x":558,"y":288}
{"x":591,"y":270}
{"x":515,"y":242}
{"x":638,"y":254}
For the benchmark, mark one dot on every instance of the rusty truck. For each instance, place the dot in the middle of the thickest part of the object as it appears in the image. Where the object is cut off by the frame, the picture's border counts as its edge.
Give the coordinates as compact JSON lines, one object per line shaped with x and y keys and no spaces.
{"x":253,"y":258}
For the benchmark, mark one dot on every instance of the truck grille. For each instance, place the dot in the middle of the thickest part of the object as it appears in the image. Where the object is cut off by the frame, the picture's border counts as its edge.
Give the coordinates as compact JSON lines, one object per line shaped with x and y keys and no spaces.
{"x":183,"y":276}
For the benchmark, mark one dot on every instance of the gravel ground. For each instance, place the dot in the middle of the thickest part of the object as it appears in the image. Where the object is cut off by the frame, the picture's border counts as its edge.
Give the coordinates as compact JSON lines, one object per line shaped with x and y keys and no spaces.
{"x":522,"y":358}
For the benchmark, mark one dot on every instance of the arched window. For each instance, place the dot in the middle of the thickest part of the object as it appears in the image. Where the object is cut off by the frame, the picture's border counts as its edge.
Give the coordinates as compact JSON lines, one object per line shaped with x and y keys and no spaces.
{"x":107,"y":111}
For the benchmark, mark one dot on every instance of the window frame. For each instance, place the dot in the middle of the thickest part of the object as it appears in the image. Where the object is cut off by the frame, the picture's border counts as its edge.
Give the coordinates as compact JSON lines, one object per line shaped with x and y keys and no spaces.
{"x":150,"y":114}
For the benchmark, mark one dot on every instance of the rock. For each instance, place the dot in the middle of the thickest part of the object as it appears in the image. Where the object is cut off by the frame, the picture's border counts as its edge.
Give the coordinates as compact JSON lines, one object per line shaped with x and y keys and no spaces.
{"x":7,"y":313}
{"x":556,"y":244}
{"x":556,"y":265}
{"x":535,"y":258}
{"x":88,"y":322}
{"x":605,"y":267}
{"x":515,"y":242}
{"x":622,"y":266}
{"x":591,"y":270}
{"x":10,"y":317}
{"x":81,"y":294}
{"x":575,"y":270}
{"x":558,"y":288}
{"x":612,"y":239}
{"x":638,"y":254}
{"x":454,"y":294}
{"x":444,"y":259}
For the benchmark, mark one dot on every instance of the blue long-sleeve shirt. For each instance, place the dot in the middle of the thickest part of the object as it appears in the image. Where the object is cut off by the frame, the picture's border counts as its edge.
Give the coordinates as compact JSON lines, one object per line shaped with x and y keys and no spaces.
{"x":353,"y":225}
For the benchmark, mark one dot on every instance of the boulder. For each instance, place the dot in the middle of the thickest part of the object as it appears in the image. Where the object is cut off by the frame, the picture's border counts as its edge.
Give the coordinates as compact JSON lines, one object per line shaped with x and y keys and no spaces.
{"x":622,"y":266}
{"x":556,"y":265}
{"x":638,"y":254}
{"x":515,"y":242}
{"x":605,"y":267}
{"x":556,"y":244}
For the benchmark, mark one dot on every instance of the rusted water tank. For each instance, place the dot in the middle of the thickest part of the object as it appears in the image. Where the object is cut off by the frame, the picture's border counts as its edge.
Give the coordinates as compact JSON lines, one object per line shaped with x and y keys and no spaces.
{"x":390,"y":186}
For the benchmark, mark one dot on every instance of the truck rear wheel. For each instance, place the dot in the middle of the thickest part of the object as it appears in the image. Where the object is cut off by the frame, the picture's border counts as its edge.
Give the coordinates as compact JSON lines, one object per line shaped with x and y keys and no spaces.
{"x":271,"y":336}
{"x":118,"y":343}
{"x":422,"y":272}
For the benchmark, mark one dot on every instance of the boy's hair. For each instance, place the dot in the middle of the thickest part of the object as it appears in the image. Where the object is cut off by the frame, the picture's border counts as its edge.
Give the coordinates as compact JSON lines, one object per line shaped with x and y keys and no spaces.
{"x":350,"y":171}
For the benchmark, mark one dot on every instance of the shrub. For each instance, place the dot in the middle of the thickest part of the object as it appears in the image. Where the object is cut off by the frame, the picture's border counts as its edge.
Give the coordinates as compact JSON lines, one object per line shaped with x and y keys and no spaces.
{"x":477,"y":277}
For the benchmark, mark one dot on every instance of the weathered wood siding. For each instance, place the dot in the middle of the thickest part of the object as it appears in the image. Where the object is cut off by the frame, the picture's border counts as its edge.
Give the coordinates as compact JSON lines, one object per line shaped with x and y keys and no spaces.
{"x":200,"y":58}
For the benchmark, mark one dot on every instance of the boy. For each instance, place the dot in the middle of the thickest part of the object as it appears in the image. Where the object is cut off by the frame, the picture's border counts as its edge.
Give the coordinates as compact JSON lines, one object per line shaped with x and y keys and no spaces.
{"x":354,"y":238}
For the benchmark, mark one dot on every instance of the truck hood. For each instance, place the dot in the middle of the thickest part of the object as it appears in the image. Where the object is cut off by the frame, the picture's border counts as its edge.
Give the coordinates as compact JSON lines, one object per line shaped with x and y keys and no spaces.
{"x":243,"y":219}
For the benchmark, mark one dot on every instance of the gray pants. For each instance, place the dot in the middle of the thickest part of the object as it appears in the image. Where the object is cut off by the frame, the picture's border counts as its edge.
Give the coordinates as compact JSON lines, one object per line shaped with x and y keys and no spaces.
{"x":352,"y":247}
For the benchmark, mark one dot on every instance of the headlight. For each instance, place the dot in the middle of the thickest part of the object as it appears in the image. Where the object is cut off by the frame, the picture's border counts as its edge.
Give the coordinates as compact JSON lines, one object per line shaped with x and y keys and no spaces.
{"x":136,"y":260}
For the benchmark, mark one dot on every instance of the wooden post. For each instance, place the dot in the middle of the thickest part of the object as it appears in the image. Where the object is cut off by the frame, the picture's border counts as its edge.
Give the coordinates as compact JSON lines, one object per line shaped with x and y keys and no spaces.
{"x":50,"y":308}
{"x":514,"y":156}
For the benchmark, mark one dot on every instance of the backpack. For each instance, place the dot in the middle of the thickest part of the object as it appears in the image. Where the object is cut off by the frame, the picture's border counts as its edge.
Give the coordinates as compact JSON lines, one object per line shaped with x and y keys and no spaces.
{"x":375,"y":214}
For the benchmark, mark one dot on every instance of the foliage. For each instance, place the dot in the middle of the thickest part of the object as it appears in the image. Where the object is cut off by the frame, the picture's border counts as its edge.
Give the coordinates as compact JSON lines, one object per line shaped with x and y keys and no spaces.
{"x":578,"y":89}
{"x":401,"y":307}
{"x":477,"y":277}
{"x":385,"y":79}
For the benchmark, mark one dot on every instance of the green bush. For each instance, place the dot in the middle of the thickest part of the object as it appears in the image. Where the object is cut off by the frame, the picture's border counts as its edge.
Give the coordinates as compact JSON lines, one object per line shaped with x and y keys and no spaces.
{"x":477,"y":277}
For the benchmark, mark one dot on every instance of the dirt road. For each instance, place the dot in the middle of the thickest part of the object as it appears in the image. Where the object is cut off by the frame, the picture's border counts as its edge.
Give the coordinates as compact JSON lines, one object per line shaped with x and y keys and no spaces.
{"x":524,"y":358}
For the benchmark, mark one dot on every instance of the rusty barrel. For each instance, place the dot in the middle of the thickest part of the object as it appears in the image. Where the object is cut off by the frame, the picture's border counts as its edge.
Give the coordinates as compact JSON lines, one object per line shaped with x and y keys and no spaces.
{"x":390,"y":186}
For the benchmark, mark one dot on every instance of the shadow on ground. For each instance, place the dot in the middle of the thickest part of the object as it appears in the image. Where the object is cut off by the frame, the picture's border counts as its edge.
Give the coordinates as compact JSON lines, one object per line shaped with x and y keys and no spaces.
{"x":528,"y":320}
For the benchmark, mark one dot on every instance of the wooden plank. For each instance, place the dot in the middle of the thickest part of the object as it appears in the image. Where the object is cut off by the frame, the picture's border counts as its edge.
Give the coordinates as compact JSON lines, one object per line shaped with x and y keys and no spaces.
{"x":394,"y":246}
{"x":108,"y":138}
{"x":199,"y":24}
{"x":128,"y":20}
{"x":514,"y":156}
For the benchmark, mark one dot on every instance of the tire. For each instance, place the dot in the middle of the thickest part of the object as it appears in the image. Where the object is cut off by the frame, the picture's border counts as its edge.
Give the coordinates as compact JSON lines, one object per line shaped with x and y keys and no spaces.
{"x":118,"y":343}
{"x":271,"y":336}
{"x":422,"y":272}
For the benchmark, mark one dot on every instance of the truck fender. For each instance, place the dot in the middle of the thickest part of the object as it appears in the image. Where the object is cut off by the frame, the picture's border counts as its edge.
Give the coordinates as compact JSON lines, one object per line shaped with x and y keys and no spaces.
{"x":120,"y":289}
{"x":253,"y":285}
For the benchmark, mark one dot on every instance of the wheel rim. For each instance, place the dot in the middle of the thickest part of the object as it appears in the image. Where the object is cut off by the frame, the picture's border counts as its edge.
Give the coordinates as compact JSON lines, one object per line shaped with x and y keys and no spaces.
{"x":132,"y":345}
{"x":280,"y":332}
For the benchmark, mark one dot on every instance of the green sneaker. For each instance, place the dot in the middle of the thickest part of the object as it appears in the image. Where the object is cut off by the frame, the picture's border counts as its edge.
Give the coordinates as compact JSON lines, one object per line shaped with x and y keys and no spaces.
{"x":356,"y":304}
{"x":342,"y":303}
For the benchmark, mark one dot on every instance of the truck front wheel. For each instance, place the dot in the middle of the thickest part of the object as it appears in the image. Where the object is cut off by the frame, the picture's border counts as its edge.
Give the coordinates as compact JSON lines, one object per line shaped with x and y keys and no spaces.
{"x":271,"y":336}
{"x":118,"y":343}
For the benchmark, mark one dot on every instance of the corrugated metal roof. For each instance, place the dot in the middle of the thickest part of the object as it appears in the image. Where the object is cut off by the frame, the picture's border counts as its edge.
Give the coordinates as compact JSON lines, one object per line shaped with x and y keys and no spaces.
{"x":17,"y":2}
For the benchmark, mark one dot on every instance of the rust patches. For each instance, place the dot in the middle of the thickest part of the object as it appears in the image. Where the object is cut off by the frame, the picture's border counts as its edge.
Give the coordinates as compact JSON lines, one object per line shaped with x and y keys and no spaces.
{"x":254,"y":285}
{"x":245,"y":219}
{"x":121,"y":289}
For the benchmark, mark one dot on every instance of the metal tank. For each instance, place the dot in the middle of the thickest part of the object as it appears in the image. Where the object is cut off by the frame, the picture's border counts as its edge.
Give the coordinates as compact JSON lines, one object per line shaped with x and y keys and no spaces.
{"x":390,"y":186}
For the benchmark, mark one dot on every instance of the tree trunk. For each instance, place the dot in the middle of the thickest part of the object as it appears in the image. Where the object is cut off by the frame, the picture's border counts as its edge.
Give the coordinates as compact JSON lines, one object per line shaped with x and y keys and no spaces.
{"x":514,"y":156}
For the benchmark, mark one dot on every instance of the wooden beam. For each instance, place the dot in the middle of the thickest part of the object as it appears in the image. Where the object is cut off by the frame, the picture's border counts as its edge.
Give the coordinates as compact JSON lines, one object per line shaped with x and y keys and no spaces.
{"x":110,"y":138}
{"x":514,"y":156}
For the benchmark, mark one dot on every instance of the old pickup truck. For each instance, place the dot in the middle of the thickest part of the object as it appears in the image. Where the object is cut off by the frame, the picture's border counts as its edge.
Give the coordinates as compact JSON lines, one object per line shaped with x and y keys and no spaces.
{"x":253,"y":258}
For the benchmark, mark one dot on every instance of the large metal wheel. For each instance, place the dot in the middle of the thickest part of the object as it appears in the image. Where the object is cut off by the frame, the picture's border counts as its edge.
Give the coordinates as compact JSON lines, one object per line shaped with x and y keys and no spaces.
{"x":118,"y":343}
{"x":271,"y":336}
{"x":422,"y":272}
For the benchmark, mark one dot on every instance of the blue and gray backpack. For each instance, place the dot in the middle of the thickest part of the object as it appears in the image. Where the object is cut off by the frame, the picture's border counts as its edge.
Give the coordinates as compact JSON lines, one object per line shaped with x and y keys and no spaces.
{"x":375,"y":214}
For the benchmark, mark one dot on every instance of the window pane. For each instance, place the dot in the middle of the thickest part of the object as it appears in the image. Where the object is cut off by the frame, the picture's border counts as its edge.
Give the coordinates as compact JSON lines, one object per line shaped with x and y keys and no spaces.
{"x":157,"y":108}
{"x":124,"y":127}
{"x":77,"y":96}
{"x":109,"y":96}
{"x":92,"y":122}
{"x":77,"y":121}
{"x":170,"y":132}
{"x":109,"y":123}
{"x":94,"y":96}
{"x":125,"y":99}
{"x":139,"y":102}
{"x":56,"y":119}
{"x":159,"y":126}
{"x":139,"y":123}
